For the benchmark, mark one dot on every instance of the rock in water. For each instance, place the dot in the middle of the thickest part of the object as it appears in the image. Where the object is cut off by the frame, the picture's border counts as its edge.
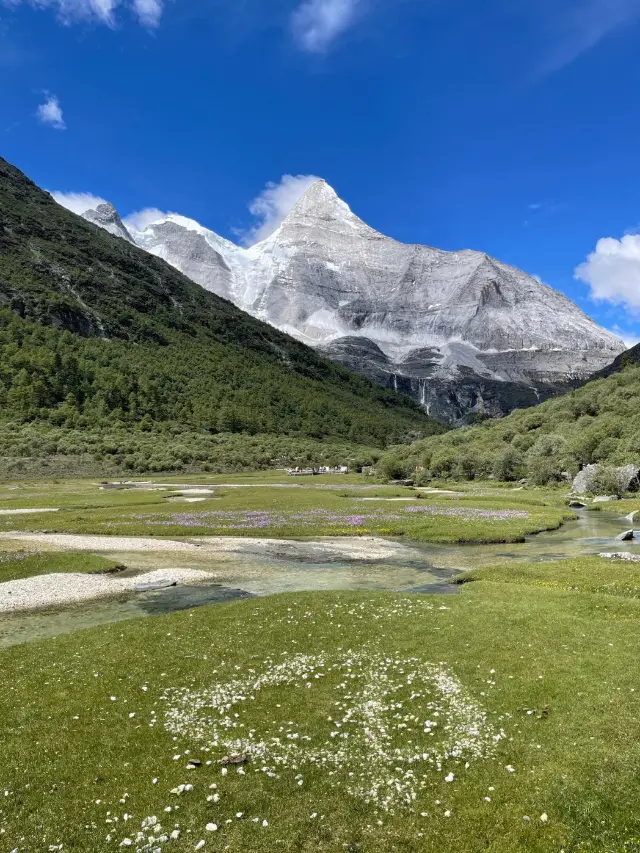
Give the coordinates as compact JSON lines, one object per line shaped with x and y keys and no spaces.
{"x":576,"y":505}
{"x":462,"y":332}
{"x":627,"y":536}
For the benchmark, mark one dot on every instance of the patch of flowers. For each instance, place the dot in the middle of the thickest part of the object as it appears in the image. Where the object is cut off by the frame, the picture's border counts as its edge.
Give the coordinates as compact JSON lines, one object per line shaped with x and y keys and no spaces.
{"x":224,"y":520}
{"x":395,"y":723}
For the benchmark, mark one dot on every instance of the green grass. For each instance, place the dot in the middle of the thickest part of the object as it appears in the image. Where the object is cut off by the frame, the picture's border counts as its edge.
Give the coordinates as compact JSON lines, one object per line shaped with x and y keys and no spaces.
{"x":14,"y":566}
{"x":583,"y":574}
{"x":311,"y":507}
{"x":555,"y":668}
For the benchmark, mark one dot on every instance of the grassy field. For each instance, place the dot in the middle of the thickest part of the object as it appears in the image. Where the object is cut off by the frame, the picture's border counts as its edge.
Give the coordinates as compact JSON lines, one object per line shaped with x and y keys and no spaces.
{"x":276,"y":506}
{"x":503,"y":719}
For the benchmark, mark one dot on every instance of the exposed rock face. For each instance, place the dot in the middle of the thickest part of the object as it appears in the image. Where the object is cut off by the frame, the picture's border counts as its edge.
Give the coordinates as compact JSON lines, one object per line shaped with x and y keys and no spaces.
{"x":107,"y":217}
{"x":460,"y":331}
{"x":195,"y":251}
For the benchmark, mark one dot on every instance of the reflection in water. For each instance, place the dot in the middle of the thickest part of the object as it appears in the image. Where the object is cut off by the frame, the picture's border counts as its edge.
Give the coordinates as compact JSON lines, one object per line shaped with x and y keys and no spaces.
{"x":258,"y":574}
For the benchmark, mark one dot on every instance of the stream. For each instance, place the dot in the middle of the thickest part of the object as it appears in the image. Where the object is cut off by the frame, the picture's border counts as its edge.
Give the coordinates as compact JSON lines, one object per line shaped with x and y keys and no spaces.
{"x":426,"y":570}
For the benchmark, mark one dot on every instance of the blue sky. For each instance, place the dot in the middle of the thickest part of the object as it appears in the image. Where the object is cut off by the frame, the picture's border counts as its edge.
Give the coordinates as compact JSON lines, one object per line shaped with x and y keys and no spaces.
{"x":509,"y":126}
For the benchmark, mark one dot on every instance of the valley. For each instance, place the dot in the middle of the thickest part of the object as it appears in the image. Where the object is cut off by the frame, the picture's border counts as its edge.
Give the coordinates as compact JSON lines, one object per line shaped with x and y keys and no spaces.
{"x":201,"y":652}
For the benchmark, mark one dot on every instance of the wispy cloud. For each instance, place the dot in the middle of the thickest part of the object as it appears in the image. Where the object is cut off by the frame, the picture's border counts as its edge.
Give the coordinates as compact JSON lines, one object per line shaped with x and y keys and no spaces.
{"x":584,"y":25}
{"x":148,"y":12}
{"x":78,"y":202}
{"x":273,"y":204}
{"x":630,"y":337}
{"x":317,"y":23}
{"x":139,"y":220}
{"x":50,"y":112}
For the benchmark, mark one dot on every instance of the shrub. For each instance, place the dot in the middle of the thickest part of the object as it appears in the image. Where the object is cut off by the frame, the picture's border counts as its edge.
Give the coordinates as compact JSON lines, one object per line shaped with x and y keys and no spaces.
{"x":394,"y":468}
{"x":508,"y":466}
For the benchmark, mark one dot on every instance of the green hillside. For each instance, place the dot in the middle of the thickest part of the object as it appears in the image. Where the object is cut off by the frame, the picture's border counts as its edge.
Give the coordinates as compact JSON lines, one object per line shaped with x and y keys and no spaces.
{"x":96,"y":334}
{"x":596,"y":424}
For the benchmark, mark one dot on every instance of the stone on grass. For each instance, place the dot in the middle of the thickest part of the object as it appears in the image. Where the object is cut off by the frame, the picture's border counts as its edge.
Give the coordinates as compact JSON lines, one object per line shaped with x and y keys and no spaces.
{"x":233,"y":759}
{"x":603,"y":499}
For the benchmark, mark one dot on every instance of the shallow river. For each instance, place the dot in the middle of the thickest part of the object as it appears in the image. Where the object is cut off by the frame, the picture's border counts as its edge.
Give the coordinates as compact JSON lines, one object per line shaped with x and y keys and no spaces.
{"x":427,"y":570}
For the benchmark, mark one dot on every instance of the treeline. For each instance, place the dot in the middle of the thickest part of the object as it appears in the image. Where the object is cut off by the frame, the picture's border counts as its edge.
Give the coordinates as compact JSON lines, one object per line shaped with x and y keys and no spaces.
{"x":37,"y":449}
{"x":69,"y":381}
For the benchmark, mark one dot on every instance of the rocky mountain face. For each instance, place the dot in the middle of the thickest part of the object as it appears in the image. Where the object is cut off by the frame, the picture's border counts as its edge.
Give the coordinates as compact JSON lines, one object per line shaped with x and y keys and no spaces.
{"x":461,"y":332}
{"x":107,"y":217}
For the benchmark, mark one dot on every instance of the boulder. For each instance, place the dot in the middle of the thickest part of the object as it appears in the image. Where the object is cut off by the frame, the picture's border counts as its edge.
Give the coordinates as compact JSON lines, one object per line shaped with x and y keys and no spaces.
{"x":584,"y":480}
{"x":602,"y":499}
{"x":576,"y":505}
{"x":627,"y":536}
{"x":627,"y":478}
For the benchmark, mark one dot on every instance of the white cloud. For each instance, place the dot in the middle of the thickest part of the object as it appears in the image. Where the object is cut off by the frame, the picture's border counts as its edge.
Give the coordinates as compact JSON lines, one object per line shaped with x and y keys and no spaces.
{"x":274,"y":203}
{"x":316,"y":23}
{"x":612,"y":271}
{"x":585,"y":25}
{"x":148,"y":12}
{"x":50,"y":112}
{"x":139,"y":219}
{"x":78,"y":202}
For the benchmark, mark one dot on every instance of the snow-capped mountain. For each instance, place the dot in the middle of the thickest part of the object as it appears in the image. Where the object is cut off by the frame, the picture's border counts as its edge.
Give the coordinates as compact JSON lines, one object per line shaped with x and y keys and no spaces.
{"x":460,"y":331}
{"x":107,"y":217}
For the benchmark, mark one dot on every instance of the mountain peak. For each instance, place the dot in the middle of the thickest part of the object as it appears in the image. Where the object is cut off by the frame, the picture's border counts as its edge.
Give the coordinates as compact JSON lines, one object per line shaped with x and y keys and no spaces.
{"x":106,"y":216}
{"x":319,"y":194}
{"x":321,"y":206}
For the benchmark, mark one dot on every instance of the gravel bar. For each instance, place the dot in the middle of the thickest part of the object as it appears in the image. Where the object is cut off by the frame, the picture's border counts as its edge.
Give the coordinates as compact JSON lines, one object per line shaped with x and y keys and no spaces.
{"x":337,"y":548}
{"x":57,"y":590}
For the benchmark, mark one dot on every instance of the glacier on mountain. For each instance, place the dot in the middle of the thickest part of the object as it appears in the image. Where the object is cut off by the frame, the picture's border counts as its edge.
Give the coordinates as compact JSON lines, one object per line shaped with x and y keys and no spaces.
{"x":462,"y":332}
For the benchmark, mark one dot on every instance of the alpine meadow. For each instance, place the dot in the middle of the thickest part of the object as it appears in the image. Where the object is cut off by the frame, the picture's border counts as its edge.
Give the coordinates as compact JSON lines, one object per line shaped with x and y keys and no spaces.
{"x":319,"y":427}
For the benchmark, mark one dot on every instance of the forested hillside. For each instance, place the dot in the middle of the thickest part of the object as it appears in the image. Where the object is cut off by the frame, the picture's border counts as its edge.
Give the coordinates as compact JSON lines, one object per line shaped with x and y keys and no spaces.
{"x":598,"y":423}
{"x":96,"y":334}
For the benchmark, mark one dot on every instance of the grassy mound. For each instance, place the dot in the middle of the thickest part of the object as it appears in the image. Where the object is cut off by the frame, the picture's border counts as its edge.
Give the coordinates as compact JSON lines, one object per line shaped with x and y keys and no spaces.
{"x":15,"y":566}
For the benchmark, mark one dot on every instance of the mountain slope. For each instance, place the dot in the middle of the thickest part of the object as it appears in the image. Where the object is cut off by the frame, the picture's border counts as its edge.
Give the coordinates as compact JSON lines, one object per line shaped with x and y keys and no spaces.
{"x":596,"y":423}
{"x":94,"y":331}
{"x":461,"y":332}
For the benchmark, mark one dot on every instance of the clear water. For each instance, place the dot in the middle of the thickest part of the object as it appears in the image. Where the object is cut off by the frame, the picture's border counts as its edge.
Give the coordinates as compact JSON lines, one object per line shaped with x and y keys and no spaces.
{"x":260,"y":575}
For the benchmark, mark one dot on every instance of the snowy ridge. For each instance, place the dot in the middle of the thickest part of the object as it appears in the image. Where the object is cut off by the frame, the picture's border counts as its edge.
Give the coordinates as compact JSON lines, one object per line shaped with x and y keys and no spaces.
{"x":410,"y":316}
